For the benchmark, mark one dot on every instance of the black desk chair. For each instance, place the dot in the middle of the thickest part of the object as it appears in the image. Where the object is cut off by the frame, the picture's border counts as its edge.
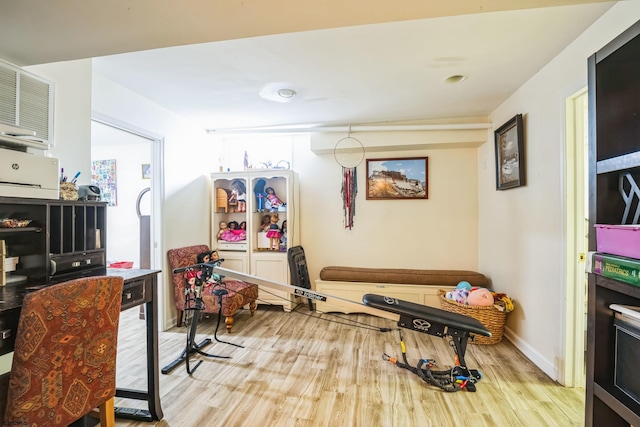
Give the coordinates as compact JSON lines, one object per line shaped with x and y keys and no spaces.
{"x":298,"y":270}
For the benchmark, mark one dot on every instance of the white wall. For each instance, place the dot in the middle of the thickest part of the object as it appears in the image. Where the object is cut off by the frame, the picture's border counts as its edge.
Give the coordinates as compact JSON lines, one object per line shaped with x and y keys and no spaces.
{"x":188,"y":158}
{"x":438,"y":233}
{"x":522,"y":242}
{"x":72,"y":115}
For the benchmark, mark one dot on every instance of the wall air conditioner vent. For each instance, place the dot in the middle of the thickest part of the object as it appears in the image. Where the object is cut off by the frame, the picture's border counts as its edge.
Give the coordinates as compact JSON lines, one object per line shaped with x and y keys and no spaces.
{"x":34,"y":106}
{"x":26,"y":109}
{"x":8,"y":94}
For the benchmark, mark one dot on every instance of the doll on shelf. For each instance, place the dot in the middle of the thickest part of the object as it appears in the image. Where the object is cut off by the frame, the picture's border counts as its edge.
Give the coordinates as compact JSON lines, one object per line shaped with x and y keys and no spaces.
{"x":233,"y":201}
{"x":237,"y":233}
{"x":239,"y":190}
{"x":223,"y":229}
{"x":273,"y":202}
{"x":274,"y":233}
{"x":231,"y":232}
{"x":266,"y":222}
{"x":283,"y":235}
{"x":258,"y":190}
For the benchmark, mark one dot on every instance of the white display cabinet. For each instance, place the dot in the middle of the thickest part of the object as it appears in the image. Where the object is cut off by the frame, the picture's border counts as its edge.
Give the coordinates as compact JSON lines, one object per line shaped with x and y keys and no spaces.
{"x":256,"y":254}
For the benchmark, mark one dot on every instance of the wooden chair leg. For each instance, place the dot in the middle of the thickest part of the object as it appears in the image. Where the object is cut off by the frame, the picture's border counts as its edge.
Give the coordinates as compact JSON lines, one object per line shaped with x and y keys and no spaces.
{"x":252,"y":307}
{"x":107,"y":414}
{"x":179,"y":316}
{"x":229,"y":322}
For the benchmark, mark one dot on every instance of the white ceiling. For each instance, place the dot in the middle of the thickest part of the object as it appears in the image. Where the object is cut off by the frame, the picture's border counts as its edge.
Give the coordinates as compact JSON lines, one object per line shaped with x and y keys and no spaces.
{"x":369,"y":72}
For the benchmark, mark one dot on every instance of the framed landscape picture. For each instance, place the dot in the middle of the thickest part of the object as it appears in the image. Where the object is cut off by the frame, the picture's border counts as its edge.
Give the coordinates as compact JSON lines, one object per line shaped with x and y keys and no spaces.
{"x":397,"y":179}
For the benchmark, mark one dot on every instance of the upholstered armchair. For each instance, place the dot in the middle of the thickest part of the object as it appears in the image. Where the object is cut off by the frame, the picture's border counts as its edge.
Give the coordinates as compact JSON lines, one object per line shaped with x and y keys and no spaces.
{"x":240,"y":294}
{"x":64,"y":362}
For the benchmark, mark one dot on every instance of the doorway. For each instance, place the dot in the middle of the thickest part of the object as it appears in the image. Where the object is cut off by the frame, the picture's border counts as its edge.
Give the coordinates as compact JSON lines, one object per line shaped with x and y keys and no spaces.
{"x":126,"y":153}
{"x":111,"y":137}
{"x":576,"y":226}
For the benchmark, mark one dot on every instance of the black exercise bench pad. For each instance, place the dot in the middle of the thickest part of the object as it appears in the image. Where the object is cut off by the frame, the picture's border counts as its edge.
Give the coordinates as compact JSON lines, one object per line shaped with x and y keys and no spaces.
{"x":446,"y":318}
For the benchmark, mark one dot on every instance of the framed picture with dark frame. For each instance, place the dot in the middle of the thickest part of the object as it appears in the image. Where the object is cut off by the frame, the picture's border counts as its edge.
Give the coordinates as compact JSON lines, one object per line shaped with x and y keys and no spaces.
{"x":510,"y":162}
{"x":397,"y":179}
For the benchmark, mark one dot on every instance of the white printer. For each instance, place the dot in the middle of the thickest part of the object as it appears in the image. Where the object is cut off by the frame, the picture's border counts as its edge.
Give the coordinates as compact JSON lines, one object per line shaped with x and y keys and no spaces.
{"x":28,"y":175}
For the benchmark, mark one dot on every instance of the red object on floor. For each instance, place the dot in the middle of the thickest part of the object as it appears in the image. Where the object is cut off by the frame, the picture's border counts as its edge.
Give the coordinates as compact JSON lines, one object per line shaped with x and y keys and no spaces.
{"x":121,"y":264}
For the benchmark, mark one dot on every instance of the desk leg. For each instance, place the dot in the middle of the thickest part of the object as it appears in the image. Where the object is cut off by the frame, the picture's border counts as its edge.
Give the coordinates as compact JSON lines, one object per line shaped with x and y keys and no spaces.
{"x":153,"y":377}
{"x":152,"y":395}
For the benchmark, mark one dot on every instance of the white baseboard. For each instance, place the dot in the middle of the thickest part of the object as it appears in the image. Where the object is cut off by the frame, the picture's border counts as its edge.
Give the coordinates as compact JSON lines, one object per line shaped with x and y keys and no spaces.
{"x":547,"y":367}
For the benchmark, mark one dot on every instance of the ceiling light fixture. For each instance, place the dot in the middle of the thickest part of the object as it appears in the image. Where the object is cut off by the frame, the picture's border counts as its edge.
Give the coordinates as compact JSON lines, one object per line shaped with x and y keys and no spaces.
{"x":456,"y":78}
{"x":279,"y":92}
{"x":287,"y":93}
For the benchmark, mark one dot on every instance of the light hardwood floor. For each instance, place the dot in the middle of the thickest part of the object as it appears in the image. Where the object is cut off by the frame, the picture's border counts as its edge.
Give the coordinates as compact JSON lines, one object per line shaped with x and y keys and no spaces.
{"x":297,"y":370}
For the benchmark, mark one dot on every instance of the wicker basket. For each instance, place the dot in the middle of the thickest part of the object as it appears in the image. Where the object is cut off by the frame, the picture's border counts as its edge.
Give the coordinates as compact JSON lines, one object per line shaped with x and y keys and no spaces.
{"x":492,"y":318}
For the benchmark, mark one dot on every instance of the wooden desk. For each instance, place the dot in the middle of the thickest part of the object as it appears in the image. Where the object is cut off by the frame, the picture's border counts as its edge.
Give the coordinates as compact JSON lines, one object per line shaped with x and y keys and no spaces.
{"x":140,"y":287}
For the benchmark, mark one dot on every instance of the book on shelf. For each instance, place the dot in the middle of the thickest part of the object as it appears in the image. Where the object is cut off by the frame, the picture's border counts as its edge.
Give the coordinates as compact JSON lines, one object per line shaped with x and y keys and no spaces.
{"x":615,"y":267}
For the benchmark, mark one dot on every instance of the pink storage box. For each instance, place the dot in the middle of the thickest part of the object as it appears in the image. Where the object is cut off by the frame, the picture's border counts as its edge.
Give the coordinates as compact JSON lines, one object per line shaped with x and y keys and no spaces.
{"x":622,"y":240}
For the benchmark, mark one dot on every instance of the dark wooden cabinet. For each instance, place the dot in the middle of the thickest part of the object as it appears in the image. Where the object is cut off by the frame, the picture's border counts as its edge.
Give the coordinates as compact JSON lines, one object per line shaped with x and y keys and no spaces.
{"x":63,"y":238}
{"x":614,"y":162}
{"x":67,"y":240}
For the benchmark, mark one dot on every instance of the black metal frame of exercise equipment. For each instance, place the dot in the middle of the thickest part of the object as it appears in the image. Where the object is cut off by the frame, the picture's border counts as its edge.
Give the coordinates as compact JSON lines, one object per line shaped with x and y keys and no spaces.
{"x":193,"y":307}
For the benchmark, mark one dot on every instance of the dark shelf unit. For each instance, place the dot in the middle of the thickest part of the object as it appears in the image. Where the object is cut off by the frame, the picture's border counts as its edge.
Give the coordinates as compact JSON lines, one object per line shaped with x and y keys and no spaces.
{"x":614,"y":151}
{"x":65,"y":232}
{"x":76,"y":228}
{"x":28,"y":243}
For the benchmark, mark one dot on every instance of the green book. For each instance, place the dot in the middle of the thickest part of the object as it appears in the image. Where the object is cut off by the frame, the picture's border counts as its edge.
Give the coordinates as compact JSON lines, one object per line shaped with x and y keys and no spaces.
{"x":616,"y":267}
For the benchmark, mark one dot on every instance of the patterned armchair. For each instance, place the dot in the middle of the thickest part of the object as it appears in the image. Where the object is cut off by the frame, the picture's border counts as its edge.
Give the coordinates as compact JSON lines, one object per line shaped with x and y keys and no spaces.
{"x":64,"y":363}
{"x":239,"y":294}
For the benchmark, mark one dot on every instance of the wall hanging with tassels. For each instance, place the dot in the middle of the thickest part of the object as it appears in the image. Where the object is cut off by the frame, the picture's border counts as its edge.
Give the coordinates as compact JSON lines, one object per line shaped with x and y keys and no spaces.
{"x":349,"y":153}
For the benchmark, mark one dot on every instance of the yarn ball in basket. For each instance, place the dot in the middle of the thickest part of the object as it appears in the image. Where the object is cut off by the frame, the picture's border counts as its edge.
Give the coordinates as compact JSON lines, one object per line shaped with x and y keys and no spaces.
{"x":464,"y":285}
{"x":480,"y":297}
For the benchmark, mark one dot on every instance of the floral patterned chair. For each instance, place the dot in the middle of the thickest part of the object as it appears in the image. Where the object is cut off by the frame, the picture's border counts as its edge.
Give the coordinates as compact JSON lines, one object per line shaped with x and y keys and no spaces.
{"x":240,"y":294}
{"x":64,"y":363}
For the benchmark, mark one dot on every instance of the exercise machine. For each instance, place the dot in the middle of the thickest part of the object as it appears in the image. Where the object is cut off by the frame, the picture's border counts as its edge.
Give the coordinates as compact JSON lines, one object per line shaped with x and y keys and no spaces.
{"x":198,"y":276}
{"x":429,"y":320}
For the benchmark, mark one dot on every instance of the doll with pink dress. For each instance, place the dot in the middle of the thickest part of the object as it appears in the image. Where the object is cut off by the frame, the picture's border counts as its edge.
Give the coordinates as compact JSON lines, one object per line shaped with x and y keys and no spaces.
{"x":273,"y":202}
{"x":274,"y":233}
{"x":231,"y":232}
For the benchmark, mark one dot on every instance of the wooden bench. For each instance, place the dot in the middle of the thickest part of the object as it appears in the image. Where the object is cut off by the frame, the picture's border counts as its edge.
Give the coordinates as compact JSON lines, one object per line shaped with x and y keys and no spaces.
{"x":414,"y":285}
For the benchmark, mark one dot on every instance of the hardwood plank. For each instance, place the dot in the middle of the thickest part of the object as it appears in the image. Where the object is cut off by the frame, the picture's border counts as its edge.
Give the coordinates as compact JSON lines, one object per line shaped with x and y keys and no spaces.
{"x":305,"y":369}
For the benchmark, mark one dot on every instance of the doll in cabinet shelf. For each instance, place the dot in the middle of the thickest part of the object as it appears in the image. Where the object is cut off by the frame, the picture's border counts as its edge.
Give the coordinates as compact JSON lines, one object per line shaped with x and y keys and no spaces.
{"x":231,"y":232}
{"x":272,"y":203}
{"x":274,"y":233}
{"x":239,"y":194}
{"x":265,"y":223}
{"x":283,"y":236}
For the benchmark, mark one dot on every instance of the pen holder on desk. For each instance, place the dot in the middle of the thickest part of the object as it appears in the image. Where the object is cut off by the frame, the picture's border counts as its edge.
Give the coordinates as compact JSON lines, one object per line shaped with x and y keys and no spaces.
{"x":68,"y":191}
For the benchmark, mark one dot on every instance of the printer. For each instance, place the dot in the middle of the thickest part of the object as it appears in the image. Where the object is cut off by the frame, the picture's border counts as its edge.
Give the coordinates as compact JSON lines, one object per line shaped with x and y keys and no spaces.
{"x":29,"y":175}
